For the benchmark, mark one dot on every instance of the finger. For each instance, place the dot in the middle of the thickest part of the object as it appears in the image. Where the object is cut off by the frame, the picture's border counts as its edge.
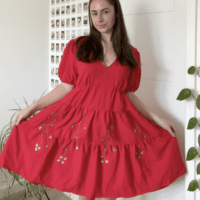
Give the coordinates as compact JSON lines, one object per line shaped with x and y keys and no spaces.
{"x":17,"y":117}
{"x":18,"y":120}
{"x":21,"y":119}
{"x":173,"y":129}
{"x":172,"y":133}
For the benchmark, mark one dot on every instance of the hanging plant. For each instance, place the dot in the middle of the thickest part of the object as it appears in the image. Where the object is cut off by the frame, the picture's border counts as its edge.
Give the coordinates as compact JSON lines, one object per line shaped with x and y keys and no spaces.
{"x":192,"y":152}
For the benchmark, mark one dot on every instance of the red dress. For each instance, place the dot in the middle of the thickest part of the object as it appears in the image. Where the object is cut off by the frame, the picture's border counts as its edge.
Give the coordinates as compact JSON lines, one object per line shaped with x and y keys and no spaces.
{"x":94,"y":142}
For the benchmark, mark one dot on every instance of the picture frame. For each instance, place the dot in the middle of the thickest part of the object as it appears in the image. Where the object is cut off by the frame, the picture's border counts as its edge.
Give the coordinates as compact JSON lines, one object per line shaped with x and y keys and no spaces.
{"x":68,"y":20}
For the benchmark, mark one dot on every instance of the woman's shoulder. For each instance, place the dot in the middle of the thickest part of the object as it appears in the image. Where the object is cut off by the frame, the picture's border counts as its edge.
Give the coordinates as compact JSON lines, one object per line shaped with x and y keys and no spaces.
{"x":133,"y":48}
{"x":136,"y":53}
{"x":76,"y":42}
{"x":79,"y":40}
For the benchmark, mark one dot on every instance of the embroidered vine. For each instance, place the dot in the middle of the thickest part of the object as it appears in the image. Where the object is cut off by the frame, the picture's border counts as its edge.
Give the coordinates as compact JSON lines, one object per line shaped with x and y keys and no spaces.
{"x":62,"y":158}
{"x":42,"y":126}
{"x":139,"y":152}
{"x":108,"y":142}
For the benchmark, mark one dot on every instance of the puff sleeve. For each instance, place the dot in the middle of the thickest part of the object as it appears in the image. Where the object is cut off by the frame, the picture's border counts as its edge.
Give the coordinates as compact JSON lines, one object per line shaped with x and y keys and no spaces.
{"x":67,"y":70}
{"x":135,"y":74}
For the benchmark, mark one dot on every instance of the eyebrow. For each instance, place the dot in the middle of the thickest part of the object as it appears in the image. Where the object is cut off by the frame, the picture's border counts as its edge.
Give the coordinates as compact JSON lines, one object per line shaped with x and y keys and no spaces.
{"x":101,"y":10}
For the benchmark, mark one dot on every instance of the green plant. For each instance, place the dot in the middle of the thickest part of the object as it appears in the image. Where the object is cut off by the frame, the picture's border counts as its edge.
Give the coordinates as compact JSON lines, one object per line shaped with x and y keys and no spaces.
{"x":7,"y":129}
{"x":192,"y":152}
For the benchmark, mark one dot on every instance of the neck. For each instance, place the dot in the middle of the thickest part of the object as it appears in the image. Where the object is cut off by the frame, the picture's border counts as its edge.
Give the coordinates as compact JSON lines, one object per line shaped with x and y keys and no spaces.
{"x":106,"y":39}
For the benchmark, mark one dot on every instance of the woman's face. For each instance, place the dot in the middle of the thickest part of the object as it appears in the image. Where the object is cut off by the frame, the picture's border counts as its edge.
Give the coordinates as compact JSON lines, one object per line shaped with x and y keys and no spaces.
{"x":102,"y":13}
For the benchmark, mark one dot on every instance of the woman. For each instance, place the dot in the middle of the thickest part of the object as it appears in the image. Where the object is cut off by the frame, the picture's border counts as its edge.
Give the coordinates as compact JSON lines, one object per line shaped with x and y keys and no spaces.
{"x":99,"y":140}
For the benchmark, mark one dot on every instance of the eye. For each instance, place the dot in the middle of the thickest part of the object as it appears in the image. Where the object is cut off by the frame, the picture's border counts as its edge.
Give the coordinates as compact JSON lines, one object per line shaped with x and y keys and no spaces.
{"x":104,"y":11}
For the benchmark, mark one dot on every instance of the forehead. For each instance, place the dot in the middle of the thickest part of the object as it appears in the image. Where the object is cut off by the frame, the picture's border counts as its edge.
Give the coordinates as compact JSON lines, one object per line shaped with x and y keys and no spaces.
{"x":98,"y":5}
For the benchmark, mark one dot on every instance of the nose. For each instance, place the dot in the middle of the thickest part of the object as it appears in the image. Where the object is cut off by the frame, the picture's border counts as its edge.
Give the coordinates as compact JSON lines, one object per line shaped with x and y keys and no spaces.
{"x":100,"y":18}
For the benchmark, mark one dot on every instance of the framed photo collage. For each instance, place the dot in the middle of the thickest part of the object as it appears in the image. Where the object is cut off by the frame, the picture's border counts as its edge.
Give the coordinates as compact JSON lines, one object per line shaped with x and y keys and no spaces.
{"x":68,"y":20}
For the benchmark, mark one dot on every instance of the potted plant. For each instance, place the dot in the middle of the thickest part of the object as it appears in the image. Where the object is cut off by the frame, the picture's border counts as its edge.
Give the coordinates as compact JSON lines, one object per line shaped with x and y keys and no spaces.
{"x":7,"y":129}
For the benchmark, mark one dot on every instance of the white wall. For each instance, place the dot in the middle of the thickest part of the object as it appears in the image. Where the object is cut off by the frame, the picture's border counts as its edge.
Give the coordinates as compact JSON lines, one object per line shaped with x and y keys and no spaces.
{"x":24,"y":48}
{"x":157,"y":28}
{"x":23,"y":51}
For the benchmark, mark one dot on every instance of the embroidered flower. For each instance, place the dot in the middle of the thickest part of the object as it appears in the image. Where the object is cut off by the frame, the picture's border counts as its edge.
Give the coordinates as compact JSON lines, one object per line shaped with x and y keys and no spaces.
{"x":75,"y":137}
{"x":45,"y":128}
{"x":108,"y":142}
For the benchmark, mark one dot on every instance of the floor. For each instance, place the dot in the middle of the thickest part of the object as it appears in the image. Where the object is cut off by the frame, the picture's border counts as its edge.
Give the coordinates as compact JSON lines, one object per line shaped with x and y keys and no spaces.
{"x":53,"y":194}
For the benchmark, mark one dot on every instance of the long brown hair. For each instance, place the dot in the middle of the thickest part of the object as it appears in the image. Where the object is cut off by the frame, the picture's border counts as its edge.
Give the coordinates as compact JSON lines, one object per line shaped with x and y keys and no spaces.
{"x":92,"y":42}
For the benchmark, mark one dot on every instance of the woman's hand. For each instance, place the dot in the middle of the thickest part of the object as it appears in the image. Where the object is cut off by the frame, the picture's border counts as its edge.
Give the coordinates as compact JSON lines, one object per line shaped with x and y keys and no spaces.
{"x":25,"y":113}
{"x":165,"y":124}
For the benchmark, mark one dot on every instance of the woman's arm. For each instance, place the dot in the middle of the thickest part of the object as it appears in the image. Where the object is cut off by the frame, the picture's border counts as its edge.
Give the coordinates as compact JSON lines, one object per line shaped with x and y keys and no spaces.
{"x":140,"y":106}
{"x":56,"y":94}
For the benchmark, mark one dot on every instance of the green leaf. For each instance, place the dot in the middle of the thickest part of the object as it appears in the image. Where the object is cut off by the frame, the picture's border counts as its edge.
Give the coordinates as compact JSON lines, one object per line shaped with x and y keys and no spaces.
{"x":30,"y":184}
{"x":191,"y":154}
{"x":198,"y":102}
{"x":17,"y":178}
{"x":43,"y":93}
{"x":9,"y":172}
{"x":192,"y":123}
{"x":191,"y":70}
{"x":11,"y":119}
{"x":20,"y":183}
{"x":13,"y":109}
{"x":25,"y":101}
{"x":184,"y":94}
{"x":199,"y":140}
{"x":198,"y":168}
{"x":17,"y":104}
{"x":3,"y":129}
{"x":193,"y":185}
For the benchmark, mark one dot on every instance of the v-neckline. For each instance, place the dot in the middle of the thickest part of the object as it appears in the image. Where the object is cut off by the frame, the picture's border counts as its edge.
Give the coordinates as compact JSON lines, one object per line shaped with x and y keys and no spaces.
{"x":110,"y":65}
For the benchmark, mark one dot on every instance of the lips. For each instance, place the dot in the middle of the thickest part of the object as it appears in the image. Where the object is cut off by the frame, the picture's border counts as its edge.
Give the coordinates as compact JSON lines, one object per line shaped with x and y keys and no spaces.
{"x":102,"y":25}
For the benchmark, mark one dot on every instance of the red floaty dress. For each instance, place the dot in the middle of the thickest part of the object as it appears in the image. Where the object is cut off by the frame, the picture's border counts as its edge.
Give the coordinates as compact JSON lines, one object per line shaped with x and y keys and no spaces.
{"x":94,"y":142}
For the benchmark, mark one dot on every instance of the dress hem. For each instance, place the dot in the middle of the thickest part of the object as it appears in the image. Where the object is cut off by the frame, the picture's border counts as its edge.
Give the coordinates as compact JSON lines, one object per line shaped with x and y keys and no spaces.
{"x":182,"y":172}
